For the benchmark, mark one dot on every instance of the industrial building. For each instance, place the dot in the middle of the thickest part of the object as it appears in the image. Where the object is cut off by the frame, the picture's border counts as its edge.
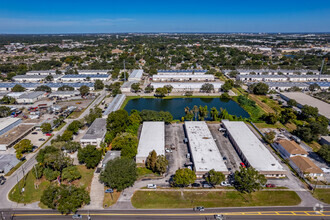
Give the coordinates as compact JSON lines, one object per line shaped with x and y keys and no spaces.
{"x":84,"y":77}
{"x":30,"y":98}
{"x":7,"y":162}
{"x":304,"y":99}
{"x":115,"y":104}
{"x":110,"y":155}
{"x":178,"y":78}
{"x":95,"y":133}
{"x":204,"y":151}
{"x":89,"y":72}
{"x":29,"y":78}
{"x":126,"y":87}
{"x":14,"y":135}
{"x":325,"y":140}
{"x":42,"y":72}
{"x":252,"y":151}
{"x":273,"y":72}
{"x":306,"y":168}
{"x":136,"y":75}
{"x":289,"y":148}
{"x":6,"y":124}
{"x":283,"y":78}
{"x":181,"y":72}
{"x":152,"y":138}
{"x":282,"y":86}
{"x":54,"y":86}
{"x":64,"y":94}
{"x":188,"y":86}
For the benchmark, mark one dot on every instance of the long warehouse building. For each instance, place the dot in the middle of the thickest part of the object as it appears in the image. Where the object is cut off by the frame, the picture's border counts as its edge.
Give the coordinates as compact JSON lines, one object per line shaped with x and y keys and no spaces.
{"x":115,"y":104}
{"x":172,"y":78}
{"x":204,"y":151}
{"x":152,"y":138}
{"x":252,"y":151}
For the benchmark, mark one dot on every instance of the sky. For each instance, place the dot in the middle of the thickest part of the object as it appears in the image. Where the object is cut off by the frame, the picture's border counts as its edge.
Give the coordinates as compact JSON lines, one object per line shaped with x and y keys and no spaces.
{"x":109,"y":16}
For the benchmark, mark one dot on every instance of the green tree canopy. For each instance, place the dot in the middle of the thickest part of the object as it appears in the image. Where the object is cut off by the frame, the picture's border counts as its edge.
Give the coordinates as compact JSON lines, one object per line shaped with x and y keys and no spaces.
{"x":248,"y":180}
{"x":18,"y":88}
{"x":207,"y":87}
{"x":90,"y":156}
{"x":214,"y":178}
{"x":43,"y":88}
{"x":119,"y":173}
{"x":84,"y":90}
{"x":70,"y":173}
{"x":75,"y":126}
{"x":184,"y":177}
{"x":46,"y":128}
{"x":98,"y":84}
{"x":127,"y":143}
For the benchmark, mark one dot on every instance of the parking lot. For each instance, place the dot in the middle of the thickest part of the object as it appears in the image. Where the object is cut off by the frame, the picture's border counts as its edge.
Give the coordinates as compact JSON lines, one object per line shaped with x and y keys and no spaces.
{"x":174,"y":135}
{"x":36,"y":139}
{"x":226,"y":149}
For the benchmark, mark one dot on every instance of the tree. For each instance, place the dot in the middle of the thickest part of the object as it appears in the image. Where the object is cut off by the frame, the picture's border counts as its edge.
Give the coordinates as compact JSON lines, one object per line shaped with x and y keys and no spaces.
{"x":71,"y":146}
{"x":149,"y":89}
{"x":70,"y":173}
{"x":84,"y":90}
{"x":4,"y":111}
{"x":8,"y":100}
{"x":184,"y":177}
{"x":65,"y":198}
{"x":75,"y":126}
{"x":135,"y":87}
{"x":214,"y":178}
{"x":270,"y":118}
{"x":18,"y":88}
{"x":46,"y":128}
{"x":214,"y":114}
{"x":292,"y":102}
{"x":169,"y":88}
{"x":49,"y":78}
{"x":161,"y":164}
{"x":93,"y":114}
{"x":207,"y":87}
{"x":127,"y":143}
{"x":117,"y":121}
{"x":37,"y":171}
{"x":43,"y":88}
{"x":309,"y":111}
{"x":65,"y":88}
{"x":228,"y":85}
{"x":248,"y":180}
{"x":287,"y":115}
{"x":151,"y":161}
{"x":260,"y":89}
{"x":225,"y":96}
{"x":22,"y":147}
{"x":90,"y":156}
{"x":269,"y":136}
{"x":161,"y":92}
{"x":314,"y":87}
{"x":324,"y":152}
{"x":51,"y":174}
{"x":119,"y":173}
{"x":67,"y":135}
{"x":98,"y":84}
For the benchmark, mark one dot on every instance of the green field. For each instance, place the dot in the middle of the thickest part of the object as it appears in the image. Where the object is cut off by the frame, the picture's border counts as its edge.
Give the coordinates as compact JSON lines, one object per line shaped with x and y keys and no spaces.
{"x":322,"y":195}
{"x":176,"y":199}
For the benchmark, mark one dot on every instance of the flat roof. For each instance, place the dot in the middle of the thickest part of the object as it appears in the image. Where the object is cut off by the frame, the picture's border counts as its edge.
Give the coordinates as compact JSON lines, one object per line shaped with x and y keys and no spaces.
{"x":263,"y":76}
{"x":321,"y":84}
{"x":152,"y":138}
{"x":304,"y":99}
{"x":186,"y":85}
{"x":115,"y":104}
{"x":15,"y":133}
{"x":8,"y":161}
{"x":204,"y":151}
{"x":96,"y":130}
{"x":30,"y":77}
{"x":251,"y":147}
{"x":52,"y":85}
{"x":181,"y":71}
{"x":128,"y":84}
{"x":5,"y":122}
{"x":86,"y":75}
{"x":136,"y":74}
{"x":183,"y":76}
{"x":32,"y":95}
{"x":286,"y":84}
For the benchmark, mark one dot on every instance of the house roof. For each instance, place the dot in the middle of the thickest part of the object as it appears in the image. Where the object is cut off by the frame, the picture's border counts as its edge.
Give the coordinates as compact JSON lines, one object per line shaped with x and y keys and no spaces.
{"x":292,"y":147}
{"x":306,"y":165}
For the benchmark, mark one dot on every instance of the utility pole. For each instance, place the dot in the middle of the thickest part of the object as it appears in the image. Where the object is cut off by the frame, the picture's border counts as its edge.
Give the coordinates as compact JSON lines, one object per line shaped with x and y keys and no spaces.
{"x":324,"y":60}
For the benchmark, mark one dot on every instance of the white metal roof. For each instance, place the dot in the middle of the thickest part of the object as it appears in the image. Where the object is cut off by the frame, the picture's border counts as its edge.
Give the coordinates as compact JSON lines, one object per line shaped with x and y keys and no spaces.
{"x":152,"y":138}
{"x":5,"y":122}
{"x":183,"y":76}
{"x":205,"y":153}
{"x":251,"y":147}
{"x":186,"y":85}
{"x":136,"y":74}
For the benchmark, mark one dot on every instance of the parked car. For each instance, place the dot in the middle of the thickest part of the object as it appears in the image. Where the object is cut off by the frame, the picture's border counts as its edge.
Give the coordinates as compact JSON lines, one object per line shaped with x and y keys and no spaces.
{"x":206,"y":185}
{"x":199,"y":208}
{"x":109,"y":190}
{"x":188,"y":155}
{"x":76,"y":216}
{"x":222,"y":129}
{"x":2,"y":180}
{"x":48,"y":134}
{"x":243,"y":165}
{"x":185,"y":140}
{"x":224,"y":183}
{"x":270,"y":185}
{"x":168,"y":151}
{"x":195,"y":185}
{"x":151,"y":186}
{"x":42,"y":139}
{"x":34,"y":132}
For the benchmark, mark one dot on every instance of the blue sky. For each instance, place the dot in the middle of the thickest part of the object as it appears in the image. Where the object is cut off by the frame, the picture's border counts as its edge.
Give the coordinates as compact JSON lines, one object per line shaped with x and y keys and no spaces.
{"x":108,"y":16}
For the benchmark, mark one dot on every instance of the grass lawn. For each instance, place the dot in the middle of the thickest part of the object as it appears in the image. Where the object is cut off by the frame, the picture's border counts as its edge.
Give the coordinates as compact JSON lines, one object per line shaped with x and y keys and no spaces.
{"x":15,"y":168}
{"x":322,"y":195}
{"x":86,"y":177}
{"x":155,"y":200}
{"x":265,"y":125}
{"x":265,"y":107}
{"x":110,"y":198}
{"x":30,"y":194}
{"x":144,"y":172}
{"x":290,"y":126}
{"x":315,"y":146}
{"x":75,"y":115}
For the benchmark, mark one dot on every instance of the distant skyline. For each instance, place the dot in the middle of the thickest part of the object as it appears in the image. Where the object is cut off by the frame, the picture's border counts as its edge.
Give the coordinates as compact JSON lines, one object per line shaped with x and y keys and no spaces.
{"x":101,"y":16}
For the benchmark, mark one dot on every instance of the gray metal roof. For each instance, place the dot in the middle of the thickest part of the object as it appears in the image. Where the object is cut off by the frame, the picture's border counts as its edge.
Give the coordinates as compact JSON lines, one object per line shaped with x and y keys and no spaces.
{"x":32,"y":95}
{"x":86,"y":75}
{"x":115,"y":104}
{"x":96,"y":130}
{"x":7,"y":162}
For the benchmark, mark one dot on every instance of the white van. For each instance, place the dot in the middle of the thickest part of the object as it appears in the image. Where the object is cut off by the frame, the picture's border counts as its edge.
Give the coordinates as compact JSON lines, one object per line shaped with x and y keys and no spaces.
{"x":151,"y":186}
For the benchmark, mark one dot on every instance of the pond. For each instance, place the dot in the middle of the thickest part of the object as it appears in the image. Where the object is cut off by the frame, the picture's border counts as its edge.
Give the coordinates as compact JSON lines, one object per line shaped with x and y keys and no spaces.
{"x":176,"y":105}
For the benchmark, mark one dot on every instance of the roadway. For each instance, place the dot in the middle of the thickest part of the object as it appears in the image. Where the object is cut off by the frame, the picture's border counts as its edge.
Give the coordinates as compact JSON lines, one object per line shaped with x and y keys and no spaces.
{"x":28,"y":165}
{"x":229,"y":213}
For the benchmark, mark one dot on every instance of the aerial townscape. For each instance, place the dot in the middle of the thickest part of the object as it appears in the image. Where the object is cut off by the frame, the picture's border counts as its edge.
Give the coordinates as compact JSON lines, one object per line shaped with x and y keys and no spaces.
{"x":129,"y":123}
